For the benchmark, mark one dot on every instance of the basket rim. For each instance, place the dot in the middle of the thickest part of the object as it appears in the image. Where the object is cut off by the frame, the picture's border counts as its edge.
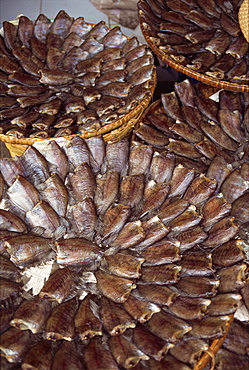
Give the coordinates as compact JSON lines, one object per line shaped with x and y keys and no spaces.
{"x":187,"y":71}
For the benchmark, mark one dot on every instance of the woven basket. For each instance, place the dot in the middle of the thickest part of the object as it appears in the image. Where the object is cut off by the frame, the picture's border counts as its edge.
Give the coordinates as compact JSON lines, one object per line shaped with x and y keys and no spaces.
{"x":244,"y":19}
{"x":222,"y":84}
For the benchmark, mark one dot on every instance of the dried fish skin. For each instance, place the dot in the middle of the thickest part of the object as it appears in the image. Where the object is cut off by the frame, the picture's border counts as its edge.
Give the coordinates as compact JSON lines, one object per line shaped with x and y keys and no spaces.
{"x":151,"y":135}
{"x":32,"y":315}
{"x":9,"y":221}
{"x":58,"y":286}
{"x":165,"y":251}
{"x":81,"y":27}
{"x":114,"y":318}
{"x":39,"y":356}
{"x":231,"y":124}
{"x":9,"y":65}
{"x":158,"y":294}
{"x":114,"y":162}
{"x":162,"y":166}
{"x":41,"y":27}
{"x":219,"y":170}
{"x":140,"y":309}
{"x":14,"y":344}
{"x":10,"y":291}
{"x":83,"y":182}
{"x":103,"y":361}
{"x":96,"y":146}
{"x":197,"y":263}
{"x":23,"y":194}
{"x":181,"y":179}
{"x":131,"y":234}
{"x":125,"y":352}
{"x":218,"y":136}
{"x":154,"y":230}
{"x":190,"y":308}
{"x":171,"y":105}
{"x":234,"y":186}
{"x":113,"y":287}
{"x":9,"y":270}
{"x":198,"y":286}
{"x":140,"y":157}
{"x":161,"y":274}
{"x":214,"y":210}
{"x":56,"y":194}
{"x":34,"y":165}
{"x":75,"y":251}
{"x":219,"y":43}
{"x":200,"y":189}
{"x":238,"y":49}
{"x":60,"y":324}
{"x":28,"y":250}
{"x":123,"y":265}
{"x":228,"y":253}
{"x":224,"y":304}
{"x":89,"y":65}
{"x":61,"y":24}
{"x":232,"y":278}
{"x":240,"y":209}
{"x":114,"y":219}
{"x":77,"y":151}
{"x":87,"y":324}
{"x":149,"y":343}
{"x":119,"y":89}
{"x":210,"y":327}
{"x":154,"y":196}
{"x":168,"y":327}
{"x":189,"y":350}
{"x":106,"y":190}
{"x":92,"y":46}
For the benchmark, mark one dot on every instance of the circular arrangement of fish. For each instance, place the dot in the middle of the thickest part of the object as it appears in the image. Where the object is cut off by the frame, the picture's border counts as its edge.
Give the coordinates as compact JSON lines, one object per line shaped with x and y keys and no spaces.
{"x":65,"y":76}
{"x":147,"y":247}
{"x":202,"y":36}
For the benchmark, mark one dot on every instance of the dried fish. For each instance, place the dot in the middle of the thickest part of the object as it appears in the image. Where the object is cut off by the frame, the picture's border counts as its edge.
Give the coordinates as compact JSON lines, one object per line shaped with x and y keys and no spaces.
{"x":159,"y":325}
{"x":190,"y":308}
{"x":14,"y":344}
{"x":60,"y":324}
{"x":85,"y":218}
{"x":151,"y":135}
{"x":44,"y":216}
{"x":38,"y":356}
{"x":201,"y":286}
{"x":219,"y":43}
{"x":41,"y":27}
{"x":227,"y":360}
{"x":214,"y":210}
{"x":187,"y":219}
{"x":9,"y":270}
{"x":10,"y":291}
{"x":131,"y":234}
{"x":32,"y":314}
{"x":189,"y":350}
{"x":161,"y":274}
{"x":165,"y":251}
{"x":237,"y":338}
{"x":224,"y":304}
{"x":73,"y":251}
{"x":113,"y":287}
{"x":67,"y":356}
{"x":23,"y":194}
{"x":106,"y":190}
{"x":104,"y":360}
{"x":83,"y":182}
{"x":191,"y":237}
{"x":125,"y":352}
{"x":58,"y":286}
{"x":87,"y":324}
{"x":232,"y":278}
{"x":202,"y":265}
{"x":140,"y":309}
{"x":210,"y":327}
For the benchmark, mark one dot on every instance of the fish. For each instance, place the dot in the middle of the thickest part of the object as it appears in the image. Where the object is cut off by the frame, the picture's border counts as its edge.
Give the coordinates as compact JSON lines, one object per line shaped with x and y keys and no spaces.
{"x":238,"y":49}
{"x":219,"y":169}
{"x":74,"y":251}
{"x":114,"y":219}
{"x":131,"y":190}
{"x":44,"y":122}
{"x":218,"y":135}
{"x":189,"y":350}
{"x":218,"y":44}
{"x":81,"y":27}
{"x":25,"y":30}
{"x":67,"y":355}
{"x":96,"y":146}
{"x":83,"y":182}
{"x":60,"y":323}
{"x":40,"y":354}
{"x":28,"y":250}
{"x":6,"y":315}
{"x":125,"y":352}
{"x":15,"y":343}
{"x":233,"y":250}
{"x":221,"y":67}
{"x":73,"y":58}
{"x":10,"y":292}
{"x":114,"y":38}
{"x":10,"y":169}
{"x":154,"y":231}
{"x":231,"y":124}
{"x":202,"y":265}
{"x":54,"y":77}
{"x":161,"y":274}
{"x":232,"y":278}
{"x":32,"y":315}
{"x":214,"y":210}
{"x":149,"y":343}
{"x":154,"y":196}
{"x":168,"y":361}
{"x":104,"y":359}
{"x":87,"y":324}
{"x":201,"y":19}
{"x":237,"y":338}
{"x":131,"y":234}
{"x":187,"y":219}
{"x":162,"y":165}
{"x":23,"y":194}
{"x":9,"y":65}
{"x":89,"y":65}
{"x":114,"y":318}
{"x":226,"y":358}
{"x":151,"y":135}
{"x":171,"y":209}
{"x":114,"y":65}
{"x":234,"y":186}
{"x":114,"y":287}
{"x":92,"y":46}
{"x":140,"y":157}
{"x":58,"y":286}
{"x":28,"y":101}
{"x":240,"y":209}
{"x":164,"y":251}
{"x":200,"y":189}
{"x":85,"y":218}
{"x":123,"y":265}
{"x":11,"y":222}
{"x":77,"y":152}
{"x":229,"y":25}
{"x":190,"y":308}
{"x":224,"y":304}
{"x":139,"y":308}
{"x":203,"y":286}
{"x":210,"y":327}
{"x":159,"y":325}
{"x":41,"y":27}
{"x":8,"y":270}
{"x":106,"y":190}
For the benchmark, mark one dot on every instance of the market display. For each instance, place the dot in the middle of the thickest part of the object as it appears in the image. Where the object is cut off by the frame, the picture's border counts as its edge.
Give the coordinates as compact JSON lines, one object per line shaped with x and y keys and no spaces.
{"x":202,"y":39}
{"x":148,"y":250}
{"x":66,"y":76}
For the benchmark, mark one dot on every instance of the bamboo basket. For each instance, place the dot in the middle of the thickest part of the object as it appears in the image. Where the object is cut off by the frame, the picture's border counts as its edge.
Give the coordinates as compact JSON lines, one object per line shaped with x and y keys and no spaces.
{"x":110,"y":132}
{"x":222,"y":84}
